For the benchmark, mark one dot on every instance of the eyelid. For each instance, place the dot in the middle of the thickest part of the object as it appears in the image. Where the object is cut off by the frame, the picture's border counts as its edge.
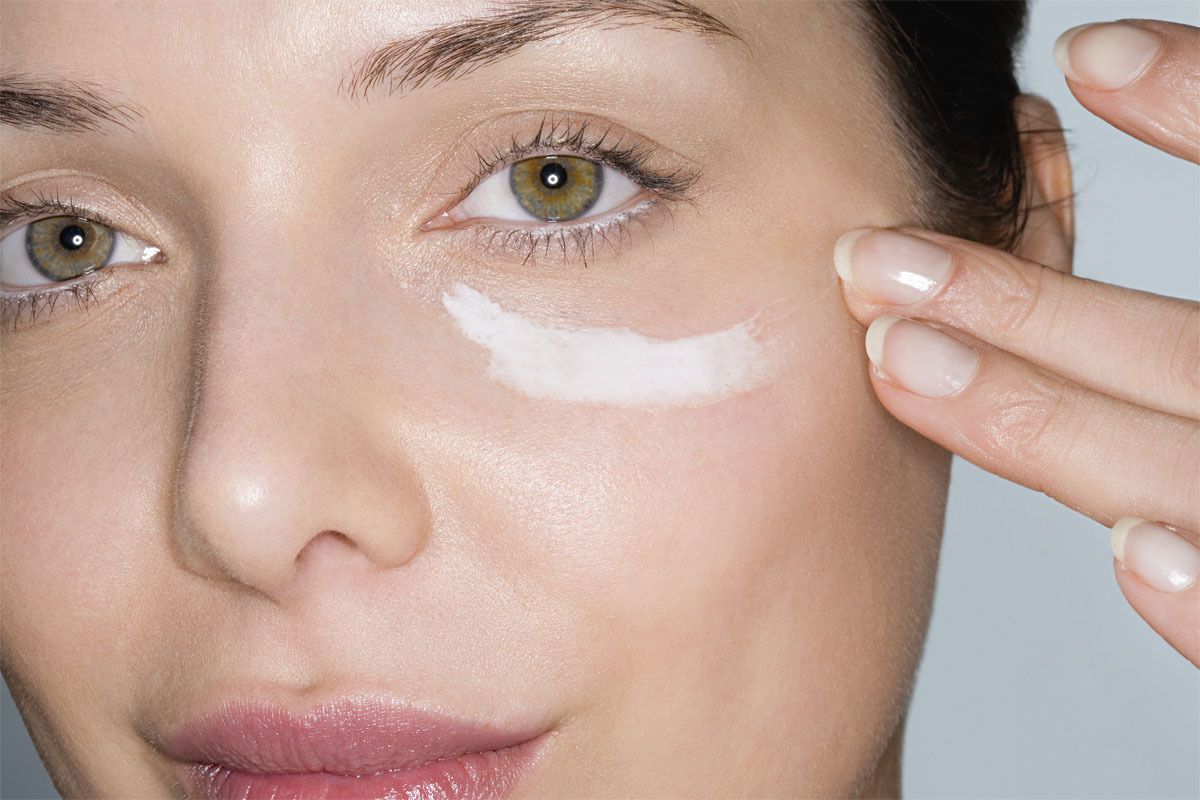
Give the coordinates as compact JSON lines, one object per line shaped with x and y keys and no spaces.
{"x":16,"y":214}
{"x":82,"y":194}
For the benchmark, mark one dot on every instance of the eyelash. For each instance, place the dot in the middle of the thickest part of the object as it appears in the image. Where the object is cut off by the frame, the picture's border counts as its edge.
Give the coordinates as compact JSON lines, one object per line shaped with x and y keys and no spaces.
{"x":83,"y":289}
{"x":577,"y":239}
{"x":570,"y":239}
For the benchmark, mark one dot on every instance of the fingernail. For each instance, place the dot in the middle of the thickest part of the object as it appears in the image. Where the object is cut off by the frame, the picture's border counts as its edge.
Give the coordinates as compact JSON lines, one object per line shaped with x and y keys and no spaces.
{"x":1158,"y":555}
{"x":1106,"y":56}
{"x":919,"y":358}
{"x":890,"y":267}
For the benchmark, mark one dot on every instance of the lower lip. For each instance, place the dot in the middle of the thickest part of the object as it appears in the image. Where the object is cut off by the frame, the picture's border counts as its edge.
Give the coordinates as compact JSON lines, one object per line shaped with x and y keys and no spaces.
{"x":473,"y":776}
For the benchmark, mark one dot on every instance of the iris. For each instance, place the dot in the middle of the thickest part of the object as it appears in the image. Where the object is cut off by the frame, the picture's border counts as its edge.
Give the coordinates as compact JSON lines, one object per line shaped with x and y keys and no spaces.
{"x":62,"y":248}
{"x":557,"y":188}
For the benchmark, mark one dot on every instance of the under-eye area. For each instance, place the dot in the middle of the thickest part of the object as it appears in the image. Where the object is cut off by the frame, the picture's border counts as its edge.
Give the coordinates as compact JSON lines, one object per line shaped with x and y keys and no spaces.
{"x":615,"y":366}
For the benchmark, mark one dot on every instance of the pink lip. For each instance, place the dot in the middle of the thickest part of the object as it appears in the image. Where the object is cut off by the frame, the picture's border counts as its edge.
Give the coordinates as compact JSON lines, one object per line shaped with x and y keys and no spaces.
{"x":352,"y":748}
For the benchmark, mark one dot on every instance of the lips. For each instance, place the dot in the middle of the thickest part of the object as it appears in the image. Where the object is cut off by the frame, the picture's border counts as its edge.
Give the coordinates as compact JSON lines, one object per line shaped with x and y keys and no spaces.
{"x":356,"y":748}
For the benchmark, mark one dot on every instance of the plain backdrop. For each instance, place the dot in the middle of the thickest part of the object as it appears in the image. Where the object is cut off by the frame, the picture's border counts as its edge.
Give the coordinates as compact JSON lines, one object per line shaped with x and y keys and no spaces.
{"x":1038,"y":680}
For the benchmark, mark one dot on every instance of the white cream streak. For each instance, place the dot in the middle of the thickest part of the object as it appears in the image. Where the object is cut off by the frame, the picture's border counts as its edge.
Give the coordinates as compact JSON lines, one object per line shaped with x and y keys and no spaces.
{"x":611,"y":365}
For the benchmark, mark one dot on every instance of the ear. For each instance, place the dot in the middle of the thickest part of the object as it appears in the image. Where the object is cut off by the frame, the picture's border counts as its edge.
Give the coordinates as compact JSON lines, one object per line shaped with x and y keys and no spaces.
{"x":1049,"y":236}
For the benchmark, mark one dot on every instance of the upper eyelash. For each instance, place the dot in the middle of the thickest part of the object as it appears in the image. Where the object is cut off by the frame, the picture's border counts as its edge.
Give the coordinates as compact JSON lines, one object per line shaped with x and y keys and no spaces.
{"x":14,"y":210}
{"x":565,"y":133}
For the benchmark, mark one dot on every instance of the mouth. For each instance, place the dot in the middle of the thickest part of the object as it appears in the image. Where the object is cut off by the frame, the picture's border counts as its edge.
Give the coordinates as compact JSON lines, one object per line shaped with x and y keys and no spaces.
{"x":352,"y":748}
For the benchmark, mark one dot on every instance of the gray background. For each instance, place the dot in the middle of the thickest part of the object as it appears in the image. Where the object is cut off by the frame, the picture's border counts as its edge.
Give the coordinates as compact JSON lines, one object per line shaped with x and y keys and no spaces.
{"x":1038,"y":680}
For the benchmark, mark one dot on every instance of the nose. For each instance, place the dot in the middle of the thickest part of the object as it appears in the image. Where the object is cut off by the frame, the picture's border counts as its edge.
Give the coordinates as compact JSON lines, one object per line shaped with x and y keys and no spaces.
{"x":290,"y":465}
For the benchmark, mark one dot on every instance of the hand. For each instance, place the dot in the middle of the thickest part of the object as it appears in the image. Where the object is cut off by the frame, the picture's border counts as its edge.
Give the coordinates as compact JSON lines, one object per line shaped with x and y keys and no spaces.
{"x":1085,"y":391}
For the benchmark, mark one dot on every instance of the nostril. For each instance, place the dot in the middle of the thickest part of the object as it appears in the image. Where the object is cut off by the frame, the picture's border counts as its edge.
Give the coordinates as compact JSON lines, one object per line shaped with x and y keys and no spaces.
{"x":325,"y":542}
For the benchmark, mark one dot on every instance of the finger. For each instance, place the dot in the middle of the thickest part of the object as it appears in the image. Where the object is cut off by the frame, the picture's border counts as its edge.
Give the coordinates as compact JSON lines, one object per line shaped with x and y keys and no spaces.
{"x":1141,"y":75}
{"x":1157,"y":570}
{"x":1137,"y":346}
{"x":1099,"y":455}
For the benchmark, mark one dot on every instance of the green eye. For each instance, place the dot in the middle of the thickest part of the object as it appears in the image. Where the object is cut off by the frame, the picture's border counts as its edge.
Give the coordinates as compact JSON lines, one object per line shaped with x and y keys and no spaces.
{"x":557,"y":188}
{"x":62,"y":248}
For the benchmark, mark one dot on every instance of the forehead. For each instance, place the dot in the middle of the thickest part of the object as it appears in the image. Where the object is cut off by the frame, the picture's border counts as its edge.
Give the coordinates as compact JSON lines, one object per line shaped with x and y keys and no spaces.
{"x":277,"y":44}
{"x":231,"y":92}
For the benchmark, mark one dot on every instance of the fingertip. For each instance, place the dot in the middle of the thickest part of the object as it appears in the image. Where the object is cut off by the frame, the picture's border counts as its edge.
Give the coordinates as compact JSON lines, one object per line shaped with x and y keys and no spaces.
{"x":876,"y":332}
{"x":1061,"y":54}
{"x":1120,"y":532}
{"x":841,"y":253}
{"x":1106,"y":56}
{"x":1175,"y":616}
{"x":1165,"y":559}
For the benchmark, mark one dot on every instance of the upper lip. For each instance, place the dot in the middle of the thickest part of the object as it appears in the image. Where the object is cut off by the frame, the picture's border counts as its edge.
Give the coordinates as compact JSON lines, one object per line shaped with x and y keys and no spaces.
{"x":350,"y":736}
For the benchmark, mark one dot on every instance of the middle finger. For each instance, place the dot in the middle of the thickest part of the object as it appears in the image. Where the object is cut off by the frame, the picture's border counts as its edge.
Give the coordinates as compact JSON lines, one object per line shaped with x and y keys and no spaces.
{"x":1137,"y":346}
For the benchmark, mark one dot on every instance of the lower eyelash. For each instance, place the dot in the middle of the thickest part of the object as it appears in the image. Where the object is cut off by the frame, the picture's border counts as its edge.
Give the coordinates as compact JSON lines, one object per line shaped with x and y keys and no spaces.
{"x":44,"y":300}
{"x":567,"y":242}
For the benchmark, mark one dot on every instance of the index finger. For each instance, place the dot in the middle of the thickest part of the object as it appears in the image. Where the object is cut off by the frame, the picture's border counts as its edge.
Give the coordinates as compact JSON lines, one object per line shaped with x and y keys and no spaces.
{"x":1141,"y":75}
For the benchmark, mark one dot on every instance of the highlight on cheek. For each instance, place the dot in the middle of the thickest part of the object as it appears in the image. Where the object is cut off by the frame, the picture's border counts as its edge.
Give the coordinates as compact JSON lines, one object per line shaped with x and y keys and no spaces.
{"x":615,"y":366}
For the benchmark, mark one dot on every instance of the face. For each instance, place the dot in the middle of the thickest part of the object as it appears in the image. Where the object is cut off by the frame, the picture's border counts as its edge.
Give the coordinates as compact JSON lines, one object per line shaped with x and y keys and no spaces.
{"x":369,"y":401}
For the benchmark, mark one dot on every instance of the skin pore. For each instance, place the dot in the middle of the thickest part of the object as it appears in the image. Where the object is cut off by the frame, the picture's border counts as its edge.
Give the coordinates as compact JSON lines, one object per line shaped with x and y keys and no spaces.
{"x":270,"y":465}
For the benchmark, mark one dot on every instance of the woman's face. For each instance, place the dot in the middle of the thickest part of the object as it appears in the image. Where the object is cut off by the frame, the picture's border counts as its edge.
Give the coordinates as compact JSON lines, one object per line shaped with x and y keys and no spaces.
{"x":291,"y":459}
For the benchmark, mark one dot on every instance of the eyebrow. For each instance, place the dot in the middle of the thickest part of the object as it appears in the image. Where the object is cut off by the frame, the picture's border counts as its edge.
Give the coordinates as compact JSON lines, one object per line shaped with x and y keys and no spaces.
{"x":59,"y":106}
{"x":451,"y":51}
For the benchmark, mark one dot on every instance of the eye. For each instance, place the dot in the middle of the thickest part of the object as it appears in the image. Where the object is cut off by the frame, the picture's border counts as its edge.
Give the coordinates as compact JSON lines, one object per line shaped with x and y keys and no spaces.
{"x":552,"y":188}
{"x":61,"y":248}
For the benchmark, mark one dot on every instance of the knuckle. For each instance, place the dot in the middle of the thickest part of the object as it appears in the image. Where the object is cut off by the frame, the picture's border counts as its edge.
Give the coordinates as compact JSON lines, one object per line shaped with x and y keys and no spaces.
{"x":1183,"y":363}
{"x":1023,"y":298}
{"x":1185,"y":474}
{"x":1032,"y":426}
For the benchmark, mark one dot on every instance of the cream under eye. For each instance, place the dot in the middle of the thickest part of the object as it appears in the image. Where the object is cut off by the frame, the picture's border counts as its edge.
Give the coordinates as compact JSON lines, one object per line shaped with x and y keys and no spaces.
{"x":617,"y":366}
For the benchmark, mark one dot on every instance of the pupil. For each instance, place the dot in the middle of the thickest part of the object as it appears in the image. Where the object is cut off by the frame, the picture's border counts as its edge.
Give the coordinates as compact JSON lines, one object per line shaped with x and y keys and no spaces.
{"x":72,"y":237}
{"x":553,"y":176}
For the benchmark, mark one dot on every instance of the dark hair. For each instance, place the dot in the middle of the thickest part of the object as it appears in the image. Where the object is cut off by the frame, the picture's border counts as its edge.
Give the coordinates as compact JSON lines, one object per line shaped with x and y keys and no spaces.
{"x":948,"y":73}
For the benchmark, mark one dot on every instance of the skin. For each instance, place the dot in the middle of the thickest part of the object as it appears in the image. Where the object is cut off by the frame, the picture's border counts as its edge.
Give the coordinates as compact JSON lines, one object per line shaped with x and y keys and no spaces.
{"x":256,"y":506}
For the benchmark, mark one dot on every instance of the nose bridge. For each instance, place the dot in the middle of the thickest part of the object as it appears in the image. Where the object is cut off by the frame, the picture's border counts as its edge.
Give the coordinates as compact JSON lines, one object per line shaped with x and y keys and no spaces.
{"x":285,"y":447}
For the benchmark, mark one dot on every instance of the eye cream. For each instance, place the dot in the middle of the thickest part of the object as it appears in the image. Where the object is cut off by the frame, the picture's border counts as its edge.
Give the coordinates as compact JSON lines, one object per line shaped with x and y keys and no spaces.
{"x":615,"y":366}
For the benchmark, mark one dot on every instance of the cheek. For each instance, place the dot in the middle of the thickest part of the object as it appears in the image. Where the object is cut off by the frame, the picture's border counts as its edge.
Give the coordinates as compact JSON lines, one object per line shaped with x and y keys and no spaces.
{"x":653,"y":517}
{"x":714,"y":554}
{"x":83,"y":547}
